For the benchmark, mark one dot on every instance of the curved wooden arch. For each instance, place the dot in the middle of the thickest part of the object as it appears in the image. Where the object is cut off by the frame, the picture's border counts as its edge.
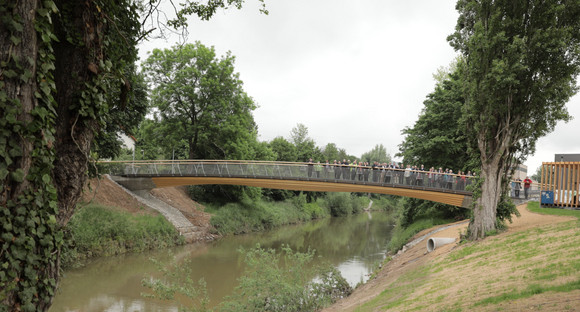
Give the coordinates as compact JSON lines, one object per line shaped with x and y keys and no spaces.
{"x":450,"y":198}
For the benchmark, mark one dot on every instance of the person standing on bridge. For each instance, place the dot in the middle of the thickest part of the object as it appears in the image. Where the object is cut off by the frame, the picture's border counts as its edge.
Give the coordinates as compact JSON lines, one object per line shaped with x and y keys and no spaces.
{"x":420,"y":175}
{"x":366,"y":171}
{"x":353,"y":167}
{"x":375,"y":169}
{"x":310,"y":167}
{"x":318,"y":169}
{"x":408,"y":175}
{"x":359,"y":171}
{"x":327,"y":169}
{"x":527,"y":185}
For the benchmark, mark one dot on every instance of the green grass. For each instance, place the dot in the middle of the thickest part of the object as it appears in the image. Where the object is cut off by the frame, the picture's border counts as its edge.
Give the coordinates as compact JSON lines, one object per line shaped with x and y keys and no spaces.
{"x":97,"y":231}
{"x":535,"y":207}
{"x":535,"y":261}
{"x":533,"y":289}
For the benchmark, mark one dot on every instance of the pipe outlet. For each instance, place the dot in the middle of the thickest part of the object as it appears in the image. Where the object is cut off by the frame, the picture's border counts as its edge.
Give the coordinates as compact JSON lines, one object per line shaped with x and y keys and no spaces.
{"x":435,"y":242}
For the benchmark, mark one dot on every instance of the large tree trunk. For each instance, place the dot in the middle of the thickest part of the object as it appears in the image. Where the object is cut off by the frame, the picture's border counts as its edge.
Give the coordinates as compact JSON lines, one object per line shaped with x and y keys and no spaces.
{"x":75,"y":66}
{"x":19,"y":134}
{"x":494,"y":156}
{"x":41,"y":170}
{"x":484,"y":214}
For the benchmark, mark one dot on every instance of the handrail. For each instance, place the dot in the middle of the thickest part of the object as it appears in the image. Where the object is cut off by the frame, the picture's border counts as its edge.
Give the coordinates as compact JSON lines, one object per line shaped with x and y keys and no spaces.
{"x":334,"y":173}
{"x":286,"y":163}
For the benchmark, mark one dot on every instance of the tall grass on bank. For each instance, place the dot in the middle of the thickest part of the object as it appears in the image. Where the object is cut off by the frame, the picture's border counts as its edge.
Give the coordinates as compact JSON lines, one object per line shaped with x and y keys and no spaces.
{"x":258,"y":215}
{"x":253,"y":216}
{"x":102,"y":231}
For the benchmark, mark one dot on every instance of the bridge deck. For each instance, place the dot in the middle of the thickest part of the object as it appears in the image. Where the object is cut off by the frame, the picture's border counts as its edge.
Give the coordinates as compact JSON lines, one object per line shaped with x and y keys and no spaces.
{"x":447,"y":189}
{"x":451,"y":198}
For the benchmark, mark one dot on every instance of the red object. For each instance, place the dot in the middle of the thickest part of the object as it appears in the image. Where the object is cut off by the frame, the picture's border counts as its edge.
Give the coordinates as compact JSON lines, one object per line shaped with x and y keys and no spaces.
{"x":527,"y":183}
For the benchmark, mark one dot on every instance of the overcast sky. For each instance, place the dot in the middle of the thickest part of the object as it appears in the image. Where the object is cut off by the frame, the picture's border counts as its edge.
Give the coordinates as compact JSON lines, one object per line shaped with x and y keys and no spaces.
{"x":354,"y":72}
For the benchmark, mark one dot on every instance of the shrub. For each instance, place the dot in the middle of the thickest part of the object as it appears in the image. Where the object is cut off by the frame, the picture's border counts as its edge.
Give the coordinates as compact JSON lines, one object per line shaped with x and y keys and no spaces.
{"x":284,"y":282}
{"x":339,"y":204}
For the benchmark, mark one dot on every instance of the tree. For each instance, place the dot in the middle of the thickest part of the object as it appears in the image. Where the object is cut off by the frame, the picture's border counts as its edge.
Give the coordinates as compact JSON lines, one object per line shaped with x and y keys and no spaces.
{"x":522,"y":59}
{"x":285,"y":151}
{"x":200,"y":100}
{"x":378,"y":153}
{"x":437,"y":138}
{"x":59,"y":60}
{"x":305,"y":146}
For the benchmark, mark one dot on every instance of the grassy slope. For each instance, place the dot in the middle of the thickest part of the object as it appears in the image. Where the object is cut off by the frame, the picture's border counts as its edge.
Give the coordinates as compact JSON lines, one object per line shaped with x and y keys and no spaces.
{"x":533,"y":269}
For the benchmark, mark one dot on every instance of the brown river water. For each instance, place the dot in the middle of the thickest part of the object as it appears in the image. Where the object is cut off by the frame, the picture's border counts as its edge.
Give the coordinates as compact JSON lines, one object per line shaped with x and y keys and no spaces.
{"x":354,"y":244}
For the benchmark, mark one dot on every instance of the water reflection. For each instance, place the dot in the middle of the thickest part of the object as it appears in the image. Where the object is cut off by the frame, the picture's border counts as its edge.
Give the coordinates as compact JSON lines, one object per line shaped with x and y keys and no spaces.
{"x":353,"y":244}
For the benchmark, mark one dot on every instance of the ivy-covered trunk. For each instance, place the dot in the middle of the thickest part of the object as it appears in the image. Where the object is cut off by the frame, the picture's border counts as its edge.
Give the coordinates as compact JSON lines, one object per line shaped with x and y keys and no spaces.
{"x":76,"y":70}
{"x":30,"y":237}
{"x":48,"y":124}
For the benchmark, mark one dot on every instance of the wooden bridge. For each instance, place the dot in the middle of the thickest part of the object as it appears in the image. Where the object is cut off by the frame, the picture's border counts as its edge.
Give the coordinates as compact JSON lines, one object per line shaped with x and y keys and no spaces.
{"x":443,"y":188}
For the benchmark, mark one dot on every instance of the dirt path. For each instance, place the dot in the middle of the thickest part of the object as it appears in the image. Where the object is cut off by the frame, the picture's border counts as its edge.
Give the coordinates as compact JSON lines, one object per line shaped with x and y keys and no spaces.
{"x":417,"y":256}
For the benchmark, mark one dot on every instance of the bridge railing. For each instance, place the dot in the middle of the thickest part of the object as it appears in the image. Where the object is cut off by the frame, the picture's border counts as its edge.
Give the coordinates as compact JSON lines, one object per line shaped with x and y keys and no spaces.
{"x":292,"y":171}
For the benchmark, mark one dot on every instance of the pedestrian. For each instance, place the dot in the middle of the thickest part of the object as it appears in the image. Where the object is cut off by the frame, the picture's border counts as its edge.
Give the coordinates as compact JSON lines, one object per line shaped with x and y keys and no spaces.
{"x":527,"y":185}
{"x":420,"y":173}
{"x":366,"y":171}
{"x":310,"y":167}
{"x":408,"y":175}
{"x":517,"y":187}
{"x":318,"y":169}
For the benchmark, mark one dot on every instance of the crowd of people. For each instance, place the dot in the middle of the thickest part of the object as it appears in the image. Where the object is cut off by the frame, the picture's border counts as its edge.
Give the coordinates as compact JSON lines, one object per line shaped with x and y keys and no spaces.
{"x":390,"y":173}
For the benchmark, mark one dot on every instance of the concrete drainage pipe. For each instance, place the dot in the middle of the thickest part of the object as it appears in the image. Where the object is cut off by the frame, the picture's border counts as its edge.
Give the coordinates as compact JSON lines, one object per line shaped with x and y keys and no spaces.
{"x":435,"y":242}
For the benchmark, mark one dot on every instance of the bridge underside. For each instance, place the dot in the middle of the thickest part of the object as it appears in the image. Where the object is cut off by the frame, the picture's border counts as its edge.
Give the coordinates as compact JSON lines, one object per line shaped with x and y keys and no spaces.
{"x":451,"y":198}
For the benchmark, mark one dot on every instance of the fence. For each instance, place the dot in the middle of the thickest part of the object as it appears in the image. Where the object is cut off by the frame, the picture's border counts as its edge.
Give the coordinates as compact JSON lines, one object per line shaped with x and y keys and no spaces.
{"x":560,"y":184}
{"x":292,"y":171}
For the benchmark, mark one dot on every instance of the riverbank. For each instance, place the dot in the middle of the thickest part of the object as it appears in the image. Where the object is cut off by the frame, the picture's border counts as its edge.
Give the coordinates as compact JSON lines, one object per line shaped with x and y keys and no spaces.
{"x":111,"y":221}
{"x":534,"y":265}
{"x":106,"y":192}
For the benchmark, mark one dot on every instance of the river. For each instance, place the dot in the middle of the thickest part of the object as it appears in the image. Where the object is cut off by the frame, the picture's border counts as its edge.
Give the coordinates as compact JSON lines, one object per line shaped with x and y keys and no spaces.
{"x":354,"y":244}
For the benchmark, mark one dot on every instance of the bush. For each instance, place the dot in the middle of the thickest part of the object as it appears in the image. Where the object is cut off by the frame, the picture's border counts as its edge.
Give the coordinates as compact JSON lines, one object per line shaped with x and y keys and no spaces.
{"x":387,"y":203}
{"x":272,"y":281}
{"x":339,"y":204}
{"x":284,"y":282}
{"x":344,"y":204}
